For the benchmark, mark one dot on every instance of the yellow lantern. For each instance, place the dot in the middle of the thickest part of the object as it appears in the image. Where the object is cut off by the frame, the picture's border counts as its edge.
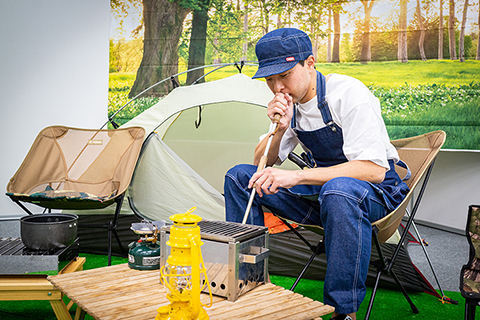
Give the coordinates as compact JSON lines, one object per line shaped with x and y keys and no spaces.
{"x":184,"y":275}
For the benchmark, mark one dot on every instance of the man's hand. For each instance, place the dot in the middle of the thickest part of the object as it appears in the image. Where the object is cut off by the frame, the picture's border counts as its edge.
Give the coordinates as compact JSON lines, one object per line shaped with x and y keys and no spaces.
{"x":268,"y":180}
{"x":282,"y":104}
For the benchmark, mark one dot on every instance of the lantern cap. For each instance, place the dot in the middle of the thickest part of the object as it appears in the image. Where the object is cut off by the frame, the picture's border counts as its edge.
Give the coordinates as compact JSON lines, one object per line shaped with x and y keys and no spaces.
{"x":186,"y":218}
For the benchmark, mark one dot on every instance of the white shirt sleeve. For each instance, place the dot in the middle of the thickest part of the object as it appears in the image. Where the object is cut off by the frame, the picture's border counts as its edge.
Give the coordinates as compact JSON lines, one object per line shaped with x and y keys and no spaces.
{"x":358,"y":113}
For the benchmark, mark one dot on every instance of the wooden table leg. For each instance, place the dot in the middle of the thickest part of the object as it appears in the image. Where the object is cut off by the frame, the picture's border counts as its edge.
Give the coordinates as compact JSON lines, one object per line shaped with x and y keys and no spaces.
{"x":60,"y":310}
{"x":80,"y":313}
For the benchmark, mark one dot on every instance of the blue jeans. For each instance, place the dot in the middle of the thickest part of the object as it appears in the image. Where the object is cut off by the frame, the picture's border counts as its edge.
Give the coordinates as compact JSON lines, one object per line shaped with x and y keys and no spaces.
{"x":346,"y":207}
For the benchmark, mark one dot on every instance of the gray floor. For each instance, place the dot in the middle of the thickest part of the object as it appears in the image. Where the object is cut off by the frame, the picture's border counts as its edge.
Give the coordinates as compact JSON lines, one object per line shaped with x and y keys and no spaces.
{"x":448,"y":252}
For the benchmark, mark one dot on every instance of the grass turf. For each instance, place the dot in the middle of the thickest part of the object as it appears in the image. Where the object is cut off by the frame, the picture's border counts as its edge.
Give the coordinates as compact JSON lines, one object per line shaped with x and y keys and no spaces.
{"x":389,"y":304}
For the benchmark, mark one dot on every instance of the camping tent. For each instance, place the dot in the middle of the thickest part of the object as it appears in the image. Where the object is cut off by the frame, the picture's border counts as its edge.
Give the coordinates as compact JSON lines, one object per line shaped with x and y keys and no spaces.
{"x":197,"y":133}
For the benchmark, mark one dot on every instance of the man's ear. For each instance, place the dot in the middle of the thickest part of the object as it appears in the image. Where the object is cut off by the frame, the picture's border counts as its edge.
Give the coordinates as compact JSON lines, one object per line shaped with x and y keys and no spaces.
{"x":310,"y":62}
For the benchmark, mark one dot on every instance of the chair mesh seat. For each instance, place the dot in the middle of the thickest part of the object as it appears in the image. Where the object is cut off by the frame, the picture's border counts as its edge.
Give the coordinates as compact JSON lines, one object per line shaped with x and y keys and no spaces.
{"x":70,"y":168}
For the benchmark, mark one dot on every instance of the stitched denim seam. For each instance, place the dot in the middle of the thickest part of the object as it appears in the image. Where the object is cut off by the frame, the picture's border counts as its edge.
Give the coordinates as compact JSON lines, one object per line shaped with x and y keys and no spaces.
{"x":359,"y":253}
{"x":236,"y":181}
{"x":346,"y":195}
{"x":307,"y":216}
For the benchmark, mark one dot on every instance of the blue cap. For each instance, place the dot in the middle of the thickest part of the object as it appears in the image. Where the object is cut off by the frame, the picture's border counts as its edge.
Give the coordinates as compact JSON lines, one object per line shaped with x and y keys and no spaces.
{"x":280,"y":50}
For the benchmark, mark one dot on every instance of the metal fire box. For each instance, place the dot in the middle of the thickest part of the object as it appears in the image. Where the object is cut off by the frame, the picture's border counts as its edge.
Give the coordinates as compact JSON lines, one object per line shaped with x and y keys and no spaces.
{"x":235,"y":256}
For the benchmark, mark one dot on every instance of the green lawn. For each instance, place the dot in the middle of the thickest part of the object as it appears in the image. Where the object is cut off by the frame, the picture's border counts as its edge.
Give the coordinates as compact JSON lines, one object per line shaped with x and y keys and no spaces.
{"x":388,"y":74}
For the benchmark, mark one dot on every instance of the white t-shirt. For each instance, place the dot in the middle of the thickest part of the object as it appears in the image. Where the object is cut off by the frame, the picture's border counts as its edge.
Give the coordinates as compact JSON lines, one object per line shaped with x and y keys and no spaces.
{"x":354,"y":109}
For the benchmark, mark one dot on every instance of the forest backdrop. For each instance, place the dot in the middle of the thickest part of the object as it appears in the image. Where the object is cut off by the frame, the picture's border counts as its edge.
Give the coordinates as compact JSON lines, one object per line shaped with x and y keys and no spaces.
{"x":420,"y":58}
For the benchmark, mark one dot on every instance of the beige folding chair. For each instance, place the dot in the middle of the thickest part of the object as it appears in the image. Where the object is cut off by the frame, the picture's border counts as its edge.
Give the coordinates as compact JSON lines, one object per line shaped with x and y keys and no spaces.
{"x":71,"y":168}
{"x":419,"y":154}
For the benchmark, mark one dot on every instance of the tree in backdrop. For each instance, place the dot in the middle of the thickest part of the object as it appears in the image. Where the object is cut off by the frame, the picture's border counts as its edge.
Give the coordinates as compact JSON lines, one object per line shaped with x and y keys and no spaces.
{"x":337,"y":32}
{"x":440,"y":32}
{"x":163,"y":23}
{"x":478,"y":37}
{"x":226,"y":38}
{"x":461,"y":46}
{"x":366,"y":48}
{"x":402,"y":32}
{"x":383,"y":38}
{"x":421,"y":27}
{"x":126,"y":54}
{"x":311,"y":16}
{"x":451,"y":30}
{"x":198,"y":41}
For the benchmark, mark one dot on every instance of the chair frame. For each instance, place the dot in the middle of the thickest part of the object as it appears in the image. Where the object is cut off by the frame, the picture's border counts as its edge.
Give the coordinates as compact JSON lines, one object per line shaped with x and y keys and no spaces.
{"x":472,"y":299}
{"x":111,"y":224}
{"x":383,"y":264}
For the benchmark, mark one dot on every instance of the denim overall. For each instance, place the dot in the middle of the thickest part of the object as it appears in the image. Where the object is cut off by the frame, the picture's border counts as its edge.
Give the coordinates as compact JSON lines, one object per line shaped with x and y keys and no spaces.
{"x":344,"y":207}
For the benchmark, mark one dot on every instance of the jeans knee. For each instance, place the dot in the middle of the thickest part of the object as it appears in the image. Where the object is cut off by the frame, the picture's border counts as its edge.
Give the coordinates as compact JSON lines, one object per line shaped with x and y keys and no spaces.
{"x":239,"y":175}
{"x":342,"y":187}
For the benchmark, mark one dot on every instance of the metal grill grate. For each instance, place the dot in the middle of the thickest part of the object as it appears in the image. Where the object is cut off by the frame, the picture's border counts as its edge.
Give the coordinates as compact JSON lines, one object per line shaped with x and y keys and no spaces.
{"x":15,"y":247}
{"x":11,"y":246}
{"x":224,"y":231}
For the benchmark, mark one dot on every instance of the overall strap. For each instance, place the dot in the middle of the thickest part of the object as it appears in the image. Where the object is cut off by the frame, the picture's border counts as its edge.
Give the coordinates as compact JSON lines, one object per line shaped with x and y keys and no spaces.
{"x":322,"y":102}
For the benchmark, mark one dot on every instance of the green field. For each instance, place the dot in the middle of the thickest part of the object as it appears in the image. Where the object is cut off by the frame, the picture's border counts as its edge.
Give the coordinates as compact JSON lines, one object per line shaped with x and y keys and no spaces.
{"x":416,"y":97}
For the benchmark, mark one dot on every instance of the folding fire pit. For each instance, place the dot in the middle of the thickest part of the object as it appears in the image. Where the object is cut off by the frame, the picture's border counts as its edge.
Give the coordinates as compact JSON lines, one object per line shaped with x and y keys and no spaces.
{"x":15,"y":257}
{"x":235,"y":256}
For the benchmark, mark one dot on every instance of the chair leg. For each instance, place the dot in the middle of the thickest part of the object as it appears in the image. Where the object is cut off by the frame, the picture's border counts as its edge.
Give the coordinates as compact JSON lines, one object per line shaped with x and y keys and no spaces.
{"x":112,"y":228}
{"x":374,"y":292}
{"x":469,"y":310}
{"x":109,"y":244}
{"x":318,"y":249}
{"x":399,"y":284}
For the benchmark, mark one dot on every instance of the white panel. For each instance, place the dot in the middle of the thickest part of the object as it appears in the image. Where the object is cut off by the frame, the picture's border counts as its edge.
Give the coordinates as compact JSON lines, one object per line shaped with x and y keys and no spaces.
{"x":54,"y":70}
{"x":453,"y":186}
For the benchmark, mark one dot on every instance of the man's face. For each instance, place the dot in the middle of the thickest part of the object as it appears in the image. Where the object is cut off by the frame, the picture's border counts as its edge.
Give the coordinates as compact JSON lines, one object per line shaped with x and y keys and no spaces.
{"x":295,"y":82}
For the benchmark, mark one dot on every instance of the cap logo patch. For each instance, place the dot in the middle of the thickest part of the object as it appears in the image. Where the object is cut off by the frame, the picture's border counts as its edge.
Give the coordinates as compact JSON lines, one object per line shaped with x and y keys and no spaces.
{"x":290,"y":59}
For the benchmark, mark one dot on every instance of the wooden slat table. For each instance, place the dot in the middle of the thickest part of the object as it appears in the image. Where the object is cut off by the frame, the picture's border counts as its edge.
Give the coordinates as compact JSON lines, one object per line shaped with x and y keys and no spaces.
{"x":118,"y":292}
{"x":23,"y":287}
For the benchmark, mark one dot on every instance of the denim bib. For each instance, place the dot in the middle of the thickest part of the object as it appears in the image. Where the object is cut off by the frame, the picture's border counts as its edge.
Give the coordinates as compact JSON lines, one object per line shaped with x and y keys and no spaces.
{"x":324,"y":147}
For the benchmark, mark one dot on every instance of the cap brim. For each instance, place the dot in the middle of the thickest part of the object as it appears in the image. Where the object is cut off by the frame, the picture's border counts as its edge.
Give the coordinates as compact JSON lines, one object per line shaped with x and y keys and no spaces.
{"x":267,"y":71}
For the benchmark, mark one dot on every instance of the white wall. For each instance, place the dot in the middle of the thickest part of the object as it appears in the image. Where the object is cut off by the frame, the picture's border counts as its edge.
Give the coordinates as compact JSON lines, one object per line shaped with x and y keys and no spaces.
{"x":453,"y":186}
{"x":53,"y":71}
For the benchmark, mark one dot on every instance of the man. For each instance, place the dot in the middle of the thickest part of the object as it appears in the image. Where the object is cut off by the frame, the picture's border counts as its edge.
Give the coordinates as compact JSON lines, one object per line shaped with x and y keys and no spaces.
{"x":338,"y":123}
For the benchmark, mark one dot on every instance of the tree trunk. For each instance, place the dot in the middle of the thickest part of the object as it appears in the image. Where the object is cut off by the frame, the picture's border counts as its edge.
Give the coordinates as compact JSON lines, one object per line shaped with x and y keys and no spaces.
{"x":421,"y":40}
{"x":336,"y":34}
{"x":163,"y":21}
{"x":440,"y":32}
{"x":402,"y":32}
{"x":478,"y":40}
{"x":451,"y":31}
{"x":366,"y":55}
{"x":329,"y":40}
{"x":461,"y":49}
{"x":198,"y":42}
{"x":245,"y":30}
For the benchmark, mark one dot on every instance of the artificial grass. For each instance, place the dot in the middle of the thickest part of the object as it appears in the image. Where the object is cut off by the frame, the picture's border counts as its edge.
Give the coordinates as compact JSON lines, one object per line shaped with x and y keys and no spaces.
{"x":389,"y":304}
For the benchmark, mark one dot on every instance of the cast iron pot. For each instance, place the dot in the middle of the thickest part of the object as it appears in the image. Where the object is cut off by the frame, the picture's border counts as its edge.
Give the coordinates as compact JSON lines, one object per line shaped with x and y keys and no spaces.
{"x":48,"y":231}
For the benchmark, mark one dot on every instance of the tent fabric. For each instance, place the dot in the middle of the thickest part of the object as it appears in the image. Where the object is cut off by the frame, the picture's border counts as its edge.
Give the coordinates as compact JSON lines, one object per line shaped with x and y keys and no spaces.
{"x":238,"y":88}
{"x":164,"y":184}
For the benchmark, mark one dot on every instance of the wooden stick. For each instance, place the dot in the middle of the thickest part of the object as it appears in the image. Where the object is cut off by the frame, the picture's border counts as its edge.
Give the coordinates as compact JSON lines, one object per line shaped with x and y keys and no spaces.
{"x":261,"y":166}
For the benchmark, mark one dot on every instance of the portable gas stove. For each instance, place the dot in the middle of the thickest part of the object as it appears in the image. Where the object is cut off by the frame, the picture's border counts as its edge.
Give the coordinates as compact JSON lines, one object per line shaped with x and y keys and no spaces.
{"x":235,"y":256}
{"x":16,"y":258}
